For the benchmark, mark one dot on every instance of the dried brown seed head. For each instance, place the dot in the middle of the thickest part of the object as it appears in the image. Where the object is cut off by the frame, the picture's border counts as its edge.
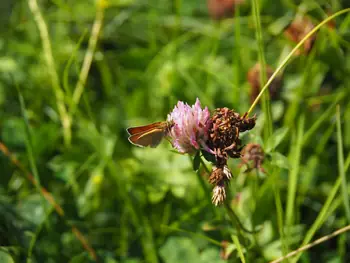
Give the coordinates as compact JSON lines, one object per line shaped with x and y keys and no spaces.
{"x":224,"y":132}
{"x":297,"y":30}
{"x":253,"y":156}
{"x":220,"y":174}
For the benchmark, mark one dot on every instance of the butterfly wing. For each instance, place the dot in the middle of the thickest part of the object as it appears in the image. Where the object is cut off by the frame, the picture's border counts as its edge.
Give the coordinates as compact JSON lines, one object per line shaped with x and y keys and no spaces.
{"x":143,"y":129}
{"x":149,"y":138}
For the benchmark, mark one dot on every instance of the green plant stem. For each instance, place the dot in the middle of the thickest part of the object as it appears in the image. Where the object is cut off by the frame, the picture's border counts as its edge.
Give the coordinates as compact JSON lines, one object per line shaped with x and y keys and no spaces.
{"x":262,"y":72}
{"x":29,"y":143}
{"x":316,"y":242}
{"x":59,"y":94}
{"x":239,"y":248}
{"x":279,"y":210}
{"x":234,"y":218}
{"x":36,"y":234}
{"x":95,"y":32}
{"x":236,"y":58}
{"x":341,"y":169}
{"x":293,"y":176}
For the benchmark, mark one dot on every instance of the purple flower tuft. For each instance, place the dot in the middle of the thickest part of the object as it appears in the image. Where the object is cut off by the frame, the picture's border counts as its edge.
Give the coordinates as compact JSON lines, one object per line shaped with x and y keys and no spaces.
{"x":190,"y":127}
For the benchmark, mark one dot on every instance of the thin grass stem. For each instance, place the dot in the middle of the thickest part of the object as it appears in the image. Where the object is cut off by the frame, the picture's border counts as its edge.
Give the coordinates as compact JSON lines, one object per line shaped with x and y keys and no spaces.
{"x":59,"y":94}
{"x":293,"y":176}
{"x":341,"y":169}
{"x":316,"y":242}
{"x":95,"y":33}
{"x":262,"y":72}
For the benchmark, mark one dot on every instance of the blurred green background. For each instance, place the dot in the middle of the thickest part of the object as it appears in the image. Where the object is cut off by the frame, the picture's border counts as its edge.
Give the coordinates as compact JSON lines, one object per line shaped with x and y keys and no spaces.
{"x":135,"y":60}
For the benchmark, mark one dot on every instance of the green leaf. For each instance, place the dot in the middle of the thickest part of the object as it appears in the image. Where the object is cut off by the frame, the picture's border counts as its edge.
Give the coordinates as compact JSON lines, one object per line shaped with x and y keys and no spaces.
{"x":13,"y":132}
{"x":275,"y":139}
{"x":196,"y":161}
{"x":279,"y":160}
{"x":179,"y":249}
{"x":79,"y":258}
{"x":210,"y":255}
{"x":156,"y":193}
{"x":5,"y":257}
{"x":278,"y":26}
{"x":188,"y":251}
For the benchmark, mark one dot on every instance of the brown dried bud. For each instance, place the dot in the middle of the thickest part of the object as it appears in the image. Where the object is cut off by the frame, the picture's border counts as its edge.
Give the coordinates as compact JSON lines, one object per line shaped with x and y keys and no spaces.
{"x":253,"y":154}
{"x":246,"y":124}
{"x":297,"y":30}
{"x":219,"y":177}
{"x":253,"y":77}
{"x":220,"y":174}
{"x":225,"y":126}
{"x":219,"y":194}
{"x":219,"y":9}
{"x":224,"y":132}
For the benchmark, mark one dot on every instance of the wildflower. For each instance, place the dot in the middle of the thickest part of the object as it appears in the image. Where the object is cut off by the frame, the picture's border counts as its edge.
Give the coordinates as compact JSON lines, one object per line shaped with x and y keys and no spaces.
{"x":189,"y":131}
{"x":253,"y":77}
{"x":219,"y":9}
{"x":225,"y":126}
{"x":298,"y":29}
{"x":253,"y":153}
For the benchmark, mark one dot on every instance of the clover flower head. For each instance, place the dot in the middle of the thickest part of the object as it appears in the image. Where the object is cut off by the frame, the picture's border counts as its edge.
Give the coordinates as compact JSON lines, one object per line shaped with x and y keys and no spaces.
{"x":189,"y":131}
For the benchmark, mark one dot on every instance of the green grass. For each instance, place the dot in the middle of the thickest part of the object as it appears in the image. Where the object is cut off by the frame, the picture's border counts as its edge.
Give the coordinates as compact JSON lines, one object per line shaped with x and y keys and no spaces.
{"x":75,"y":74}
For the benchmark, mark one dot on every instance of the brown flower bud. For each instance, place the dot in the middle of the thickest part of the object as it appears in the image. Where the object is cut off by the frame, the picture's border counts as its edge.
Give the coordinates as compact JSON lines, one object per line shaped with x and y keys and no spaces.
{"x":297,"y":30}
{"x":220,"y":174}
{"x":253,"y":154}
{"x":253,"y":77}
{"x":219,"y":9}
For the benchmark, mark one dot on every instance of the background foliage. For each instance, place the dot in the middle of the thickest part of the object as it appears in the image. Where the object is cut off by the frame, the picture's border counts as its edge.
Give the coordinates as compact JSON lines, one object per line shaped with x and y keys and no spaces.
{"x":148,"y":205}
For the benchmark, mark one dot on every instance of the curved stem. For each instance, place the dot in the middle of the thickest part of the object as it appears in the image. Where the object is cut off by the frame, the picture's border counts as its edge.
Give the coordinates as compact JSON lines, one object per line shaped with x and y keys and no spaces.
{"x":310,"y":245}
{"x":285,"y":61}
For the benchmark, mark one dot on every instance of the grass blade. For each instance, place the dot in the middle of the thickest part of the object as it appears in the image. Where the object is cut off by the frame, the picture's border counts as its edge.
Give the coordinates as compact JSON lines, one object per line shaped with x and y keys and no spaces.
{"x":239,"y":248}
{"x":47,"y":49}
{"x":293,"y":176}
{"x":341,"y":166}
{"x":96,"y":29}
{"x":29,"y":144}
{"x":316,"y":242}
{"x":322,"y":216}
{"x":266,"y":97}
{"x":325,"y":116}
